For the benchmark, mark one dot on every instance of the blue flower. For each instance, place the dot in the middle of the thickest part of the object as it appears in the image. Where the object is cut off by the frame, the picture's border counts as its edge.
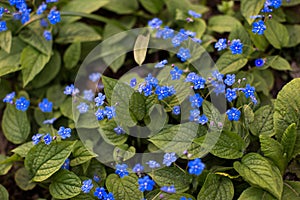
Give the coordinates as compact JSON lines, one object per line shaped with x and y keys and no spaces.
{"x":45,"y":105}
{"x":49,"y":121}
{"x":99,"y":100}
{"x":138,"y":168}
{"x":64,"y":133}
{"x":183,"y":54}
{"x":3,"y":26}
{"x":178,"y":39}
{"x":9,"y":98}
{"x":194,"y":14}
{"x":187,"y":33}
{"x":248,"y":91}
{"x":197,"y":40}
{"x":221,"y":44}
{"x":145,"y":184}
{"x":133,"y":82}
{"x":47,"y":139}
{"x":259,"y":62}
{"x":219,"y":87}
{"x":161,"y":64}
{"x":88,"y":95}
{"x":100,"y":114}
{"x":22,"y":104}
{"x":176,"y":73}
{"x":41,"y":8}
{"x":37,"y":138}
{"x":217,"y":75}
{"x":119,"y":130}
{"x":94,"y":77}
{"x":43,"y":23}
{"x":165,"y":33}
{"x":233,"y":114}
{"x":2,"y":10}
{"x":51,"y":1}
{"x":47,"y":35}
{"x":146,"y":88}
{"x":259,"y":27}
{"x":176,"y":110}
{"x":276,"y":3}
{"x":71,"y":90}
{"x":66,"y":164}
{"x":196,"y":100}
{"x":96,"y":178}
{"x":236,"y":46}
{"x":110,"y":112}
{"x":121,"y":170}
{"x":230,"y":94}
{"x":185,"y":198}
{"x":151,"y":80}
{"x":54,"y":16}
{"x":153,"y":164}
{"x":191,"y":77}
{"x":230,"y":79}
{"x":87,"y":185}
{"x":202,"y":119}
{"x":155,"y":23}
{"x":82,"y":107}
{"x":194,"y":115}
{"x":199,"y":82}
{"x":100,"y":192}
{"x":169,"y":158}
{"x":168,"y":189}
{"x":108,"y":196}
{"x":196,"y":166}
{"x":163,"y":92}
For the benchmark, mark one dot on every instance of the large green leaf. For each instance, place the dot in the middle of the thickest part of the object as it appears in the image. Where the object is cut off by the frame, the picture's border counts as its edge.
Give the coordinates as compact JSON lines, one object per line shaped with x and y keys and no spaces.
{"x":36,"y":40}
{"x":278,"y":63}
{"x":263,"y":121}
{"x":5,"y":41}
{"x":229,"y":145}
{"x":253,"y":193}
{"x":172,"y":176}
{"x":222,"y":23}
{"x":276,"y":34}
{"x":66,"y":108}
{"x":251,"y":8}
{"x":216,"y":187}
{"x":122,"y":6}
{"x":259,"y":172}
{"x":43,"y":160}
{"x":81,"y":154}
{"x":15,"y":124}
{"x":23,"y":149}
{"x":22,"y":179}
{"x":125,"y":188}
{"x":198,"y":26}
{"x":229,"y":63}
{"x":153,"y":6}
{"x":291,"y":190}
{"x":288,"y":141}
{"x":3,"y":193}
{"x":76,"y":32}
{"x":32,"y":62}
{"x":273,"y":150}
{"x":287,"y":111}
{"x":81,"y":6}
{"x":294,"y":38}
{"x":72,"y":55}
{"x":137,"y":106}
{"x":109,"y":85}
{"x":64,"y":185}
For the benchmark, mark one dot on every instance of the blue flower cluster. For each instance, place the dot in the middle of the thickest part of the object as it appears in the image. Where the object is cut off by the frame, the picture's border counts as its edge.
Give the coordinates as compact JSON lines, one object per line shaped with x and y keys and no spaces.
{"x":100,"y":193}
{"x":145,"y":184}
{"x":121,"y":170}
{"x":236,"y":46}
{"x":63,"y":132}
{"x":21,"y":104}
{"x":196,"y":166}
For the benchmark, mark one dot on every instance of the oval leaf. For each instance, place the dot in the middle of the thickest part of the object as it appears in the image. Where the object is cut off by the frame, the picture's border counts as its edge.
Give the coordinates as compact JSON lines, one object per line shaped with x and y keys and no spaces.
{"x":253,"y":193}
{"x":22,"y":179}
{"x":140,"y":48}
{"x":3,"y":193}
{"x":72,"y":55}
{"x":276,"y":34}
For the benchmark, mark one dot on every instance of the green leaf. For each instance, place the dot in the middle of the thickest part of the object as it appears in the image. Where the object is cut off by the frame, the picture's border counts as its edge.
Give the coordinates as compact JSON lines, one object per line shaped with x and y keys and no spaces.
{"x":72,"y":55}
{"x":216,"y":188}
{"x":49,"y":72}
{"x":276,"y":34}
{"x":4,"y":168}
{"x":239,"y":32}
{"x":294,"y":38}
{"x":248,"y":115}
{"x":184,"y":6}
{"x":36,"y":40}
{"x":81,"y":6}
{"x":172,"y":176}
{"x":76,"y":32}
{"x":43,"y":160}
{"x":153,"y":6}
{"x":15,"y":124}
{"x":137,"y":106}
{"x":125,"y":188}
{"x":123,"y":152}
{"x":3,"y":193}
{"x":229,"y":63}
{"x":122,"y":6}
{"x":66,"y":108}
{"x":273,"y":150}
{"x":64,"y":185}
{"x":290,"y":2}
{"x":263,"y":121}
{"x":109,"y":84}
{"x":258,"y":171}
{"x":179,"y":195}
{"x":198,"y":26}
{"x":23,"y":149}
{"x":6,"y":41}
{"x":253,"y":193}
{"x":81,"y":154}
{"x":109,"y":135}
{"x":22,"y":179}
{"x":251,"y":8}
{"x":56,"y":95}
{"x":278,"y":63}
{"x":287,"y":111}
{"x":176,"y":138}
{"x":223,"y":23}
{"x":229,"y":146}
{"x":140,"y":48}
{"x":32,"y":62}
{"x":288,"y":141}
{"x":291,"y":190}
